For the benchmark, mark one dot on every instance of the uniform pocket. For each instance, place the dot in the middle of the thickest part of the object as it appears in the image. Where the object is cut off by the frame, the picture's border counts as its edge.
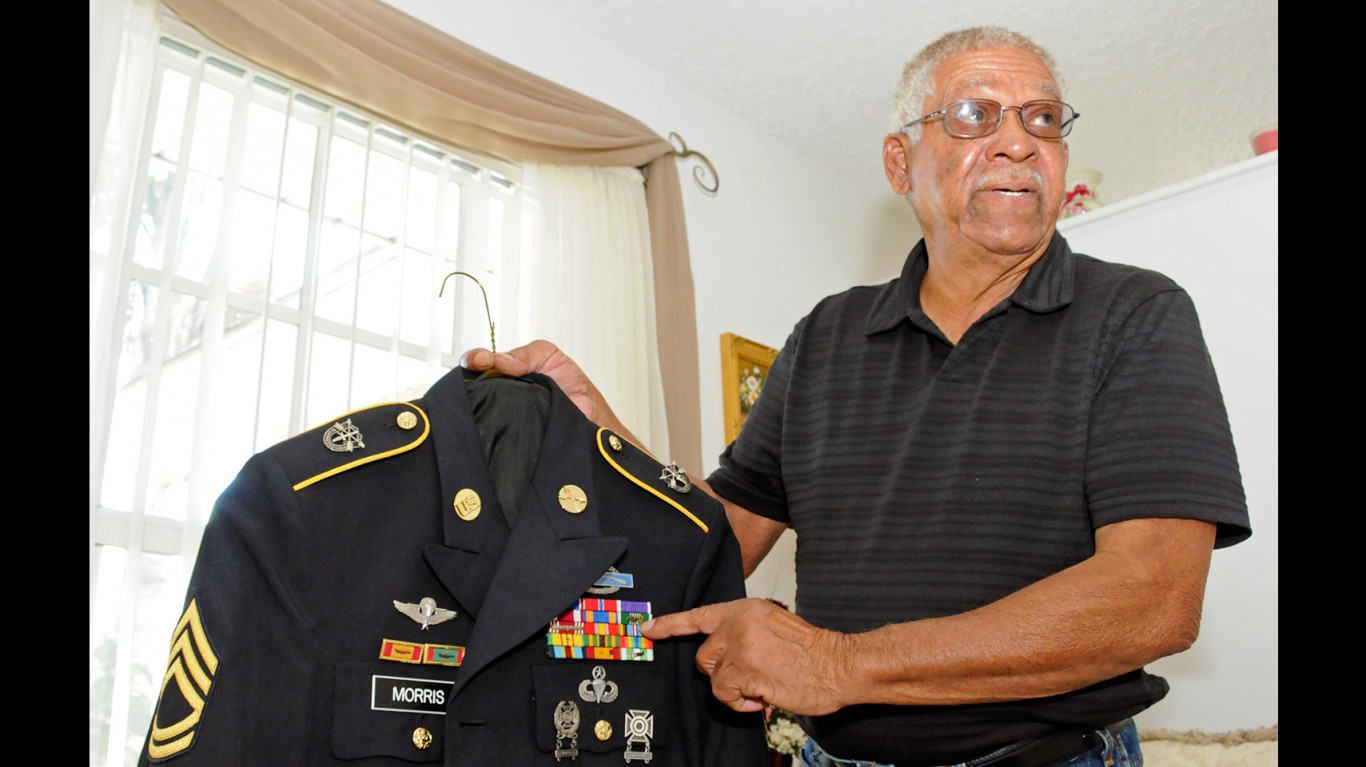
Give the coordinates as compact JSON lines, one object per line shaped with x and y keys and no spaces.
{"x":622,"y":710}
{"x":386,"y":709}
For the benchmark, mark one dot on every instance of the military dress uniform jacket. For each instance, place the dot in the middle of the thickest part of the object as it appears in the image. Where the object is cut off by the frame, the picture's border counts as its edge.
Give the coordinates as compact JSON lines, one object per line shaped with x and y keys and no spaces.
{"x":293,"y":649}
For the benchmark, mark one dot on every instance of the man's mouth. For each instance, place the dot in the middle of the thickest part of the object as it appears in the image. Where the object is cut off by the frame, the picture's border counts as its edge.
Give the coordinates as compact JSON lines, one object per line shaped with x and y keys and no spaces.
{"x":1013,"y":187}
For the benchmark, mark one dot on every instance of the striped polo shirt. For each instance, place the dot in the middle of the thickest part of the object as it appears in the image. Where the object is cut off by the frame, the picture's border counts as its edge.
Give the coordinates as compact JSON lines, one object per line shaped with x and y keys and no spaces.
{"x":925,"y":478}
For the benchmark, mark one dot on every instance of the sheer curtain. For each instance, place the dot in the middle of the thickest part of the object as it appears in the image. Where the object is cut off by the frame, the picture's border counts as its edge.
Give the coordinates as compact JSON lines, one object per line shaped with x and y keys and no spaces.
{"x":123,"y":36}
{"x":586,"y":285}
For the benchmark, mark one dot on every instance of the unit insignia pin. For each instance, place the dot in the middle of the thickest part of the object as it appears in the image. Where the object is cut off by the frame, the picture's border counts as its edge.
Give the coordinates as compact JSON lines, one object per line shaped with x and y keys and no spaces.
{"x":425,"y":612}
{"x":676,"y":478}
{"x":566,"y":726}
{"x":640,"y":727}
{"x":573,"y":499}
{"x":598,"y":689}
{"x":343,"y":437}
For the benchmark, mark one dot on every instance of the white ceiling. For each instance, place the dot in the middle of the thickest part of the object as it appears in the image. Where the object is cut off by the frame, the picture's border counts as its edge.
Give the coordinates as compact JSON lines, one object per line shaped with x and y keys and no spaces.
{"x":1167,"y":89}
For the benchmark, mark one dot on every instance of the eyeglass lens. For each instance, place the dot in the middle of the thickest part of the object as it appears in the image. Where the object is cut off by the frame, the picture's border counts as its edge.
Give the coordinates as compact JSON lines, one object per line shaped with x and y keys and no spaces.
{"x":971,"y":118}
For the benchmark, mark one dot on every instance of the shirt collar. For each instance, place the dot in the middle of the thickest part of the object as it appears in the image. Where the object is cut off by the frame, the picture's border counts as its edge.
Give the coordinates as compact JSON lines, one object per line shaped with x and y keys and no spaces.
{"x":1048,"y":286}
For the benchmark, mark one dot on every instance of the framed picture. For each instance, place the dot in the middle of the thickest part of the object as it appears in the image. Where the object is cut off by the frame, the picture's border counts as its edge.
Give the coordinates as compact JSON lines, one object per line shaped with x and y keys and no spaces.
{"x":744,"y":366}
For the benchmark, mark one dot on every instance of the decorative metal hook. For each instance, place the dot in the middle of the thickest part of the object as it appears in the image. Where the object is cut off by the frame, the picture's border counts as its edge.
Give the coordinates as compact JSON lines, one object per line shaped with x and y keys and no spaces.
{"x":681,"y":150}
{"x":493,"y":343}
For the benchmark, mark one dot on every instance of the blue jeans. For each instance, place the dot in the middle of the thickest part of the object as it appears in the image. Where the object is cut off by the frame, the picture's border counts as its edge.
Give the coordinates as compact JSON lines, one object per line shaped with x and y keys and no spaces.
{"x":1119,"y":751}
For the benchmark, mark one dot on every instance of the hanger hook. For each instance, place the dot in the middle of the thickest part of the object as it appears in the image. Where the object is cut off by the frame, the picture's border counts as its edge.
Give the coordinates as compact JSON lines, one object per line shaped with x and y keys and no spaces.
{"x":493,"y":344}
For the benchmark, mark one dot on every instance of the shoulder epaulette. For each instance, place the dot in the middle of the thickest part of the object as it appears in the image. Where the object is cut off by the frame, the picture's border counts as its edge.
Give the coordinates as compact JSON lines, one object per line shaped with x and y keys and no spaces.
{"x":668,"y":483}
{"x":354,"y":439}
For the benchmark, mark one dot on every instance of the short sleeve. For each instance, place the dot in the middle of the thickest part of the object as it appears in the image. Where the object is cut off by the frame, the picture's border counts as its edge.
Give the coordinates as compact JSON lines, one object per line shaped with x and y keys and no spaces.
{"x":1159,"y":442}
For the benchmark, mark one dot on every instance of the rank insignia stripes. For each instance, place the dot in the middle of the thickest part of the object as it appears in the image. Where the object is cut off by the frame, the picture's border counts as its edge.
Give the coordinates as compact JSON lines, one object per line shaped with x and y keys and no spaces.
{"x":190,"y":673}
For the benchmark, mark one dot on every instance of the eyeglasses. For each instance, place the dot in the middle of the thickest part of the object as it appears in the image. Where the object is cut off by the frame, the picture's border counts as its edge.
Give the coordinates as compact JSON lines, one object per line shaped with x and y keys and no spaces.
{"x":975,"y":118}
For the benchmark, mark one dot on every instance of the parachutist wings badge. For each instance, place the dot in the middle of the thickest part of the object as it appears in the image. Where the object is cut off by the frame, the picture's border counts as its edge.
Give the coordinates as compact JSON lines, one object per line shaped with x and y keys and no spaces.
{"x":425,"y":612}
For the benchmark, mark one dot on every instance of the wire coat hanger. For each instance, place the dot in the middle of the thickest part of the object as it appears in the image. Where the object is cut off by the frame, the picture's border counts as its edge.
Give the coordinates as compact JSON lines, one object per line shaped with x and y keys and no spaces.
{"x":493,"y":343}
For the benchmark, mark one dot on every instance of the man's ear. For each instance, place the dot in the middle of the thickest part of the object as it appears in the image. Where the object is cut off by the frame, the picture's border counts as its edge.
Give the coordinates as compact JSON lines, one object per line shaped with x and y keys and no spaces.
{"x":897,"y":162}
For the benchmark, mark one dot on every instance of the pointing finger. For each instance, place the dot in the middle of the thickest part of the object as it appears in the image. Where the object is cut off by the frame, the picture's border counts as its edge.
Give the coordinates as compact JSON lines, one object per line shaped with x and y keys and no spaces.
{"x":704,"y":620}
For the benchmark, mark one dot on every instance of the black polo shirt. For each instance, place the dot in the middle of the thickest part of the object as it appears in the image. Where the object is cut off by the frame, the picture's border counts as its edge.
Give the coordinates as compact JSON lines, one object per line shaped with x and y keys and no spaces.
{"x":925,"y":478}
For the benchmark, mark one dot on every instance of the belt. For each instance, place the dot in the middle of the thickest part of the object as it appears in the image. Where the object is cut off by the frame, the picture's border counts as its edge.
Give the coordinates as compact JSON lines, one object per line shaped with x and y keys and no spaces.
{"x":1050,"y":749}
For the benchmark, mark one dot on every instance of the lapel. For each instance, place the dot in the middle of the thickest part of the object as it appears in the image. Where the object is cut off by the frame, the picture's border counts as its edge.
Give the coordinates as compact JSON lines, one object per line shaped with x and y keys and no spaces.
{"x":515,"y":581}
{"x":466,"y":558}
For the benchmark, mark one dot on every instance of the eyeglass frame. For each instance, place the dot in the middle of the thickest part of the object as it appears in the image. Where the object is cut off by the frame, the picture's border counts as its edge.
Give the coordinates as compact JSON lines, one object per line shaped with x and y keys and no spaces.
{"x":1000,"y":118}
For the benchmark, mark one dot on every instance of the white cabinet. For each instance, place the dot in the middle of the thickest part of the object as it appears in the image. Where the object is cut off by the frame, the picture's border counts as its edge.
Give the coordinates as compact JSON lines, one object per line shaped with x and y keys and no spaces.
{"x":1217,"y":236}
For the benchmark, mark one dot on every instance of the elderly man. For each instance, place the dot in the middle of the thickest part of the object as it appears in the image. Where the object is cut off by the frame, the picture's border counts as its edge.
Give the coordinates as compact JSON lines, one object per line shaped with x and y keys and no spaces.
{"x":1007,"y":468}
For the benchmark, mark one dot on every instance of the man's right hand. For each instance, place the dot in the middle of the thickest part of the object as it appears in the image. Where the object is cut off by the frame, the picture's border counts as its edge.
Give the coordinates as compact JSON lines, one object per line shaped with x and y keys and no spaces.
{"x":543,"y":357}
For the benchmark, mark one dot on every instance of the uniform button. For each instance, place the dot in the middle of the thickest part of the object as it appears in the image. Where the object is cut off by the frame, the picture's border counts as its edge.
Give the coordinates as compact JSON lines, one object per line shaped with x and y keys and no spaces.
{"x":406,"y":420}
{"x":614,"y":442}
{"x":422,"y":738}
{"x":602,"y":729}
{"x":467,"y":504}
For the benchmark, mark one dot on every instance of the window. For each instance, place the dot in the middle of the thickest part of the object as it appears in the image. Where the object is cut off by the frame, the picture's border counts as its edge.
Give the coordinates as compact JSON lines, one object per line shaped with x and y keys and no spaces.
{"x":280,"y":264}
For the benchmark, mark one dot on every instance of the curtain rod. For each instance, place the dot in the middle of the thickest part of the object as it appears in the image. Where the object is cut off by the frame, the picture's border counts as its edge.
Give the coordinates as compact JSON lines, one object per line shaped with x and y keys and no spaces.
{"x":698,"y":173}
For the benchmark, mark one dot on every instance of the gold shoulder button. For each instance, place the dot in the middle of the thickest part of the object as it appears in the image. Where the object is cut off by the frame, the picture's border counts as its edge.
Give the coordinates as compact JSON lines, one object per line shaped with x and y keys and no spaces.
{"x":354,"y":439}
{"x":642,"y":469}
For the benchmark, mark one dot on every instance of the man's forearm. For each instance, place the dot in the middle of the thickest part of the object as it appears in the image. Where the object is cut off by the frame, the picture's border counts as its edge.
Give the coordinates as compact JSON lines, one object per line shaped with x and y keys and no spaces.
{"x":1115,"y":612}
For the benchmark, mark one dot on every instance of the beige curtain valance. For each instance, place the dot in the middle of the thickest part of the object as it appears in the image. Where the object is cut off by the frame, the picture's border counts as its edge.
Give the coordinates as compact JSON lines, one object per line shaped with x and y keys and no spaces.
{"x":379,"y":59}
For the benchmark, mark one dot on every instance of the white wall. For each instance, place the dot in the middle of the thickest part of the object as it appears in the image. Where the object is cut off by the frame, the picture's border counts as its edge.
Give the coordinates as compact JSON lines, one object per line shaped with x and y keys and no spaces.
{"x":782,"y":232}
{"x":1218,"y":237}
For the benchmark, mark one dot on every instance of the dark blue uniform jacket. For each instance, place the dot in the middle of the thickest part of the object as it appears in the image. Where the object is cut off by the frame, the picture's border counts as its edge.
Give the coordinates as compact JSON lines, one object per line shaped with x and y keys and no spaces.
{"x":291,"y":650}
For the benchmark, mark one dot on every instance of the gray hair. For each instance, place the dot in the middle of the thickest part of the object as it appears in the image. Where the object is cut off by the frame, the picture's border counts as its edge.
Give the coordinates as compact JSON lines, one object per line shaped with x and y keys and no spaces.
{"x":917,"y":77}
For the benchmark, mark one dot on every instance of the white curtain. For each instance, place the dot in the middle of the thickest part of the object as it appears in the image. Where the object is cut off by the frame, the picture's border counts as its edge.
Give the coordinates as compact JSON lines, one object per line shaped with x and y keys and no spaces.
{"x":587,"y":283}
{"x":122,"y":52}
{"x":123,"y":40}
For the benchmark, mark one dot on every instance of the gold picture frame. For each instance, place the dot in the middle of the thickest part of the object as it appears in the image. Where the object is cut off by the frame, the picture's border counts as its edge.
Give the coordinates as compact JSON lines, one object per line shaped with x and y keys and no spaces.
{"x":744,"y":366}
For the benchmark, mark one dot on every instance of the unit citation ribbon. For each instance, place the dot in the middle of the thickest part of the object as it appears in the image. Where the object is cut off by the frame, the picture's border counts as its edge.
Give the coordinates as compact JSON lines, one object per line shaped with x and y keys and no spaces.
{"x":417,"y":652}
{"x":601,"y":629}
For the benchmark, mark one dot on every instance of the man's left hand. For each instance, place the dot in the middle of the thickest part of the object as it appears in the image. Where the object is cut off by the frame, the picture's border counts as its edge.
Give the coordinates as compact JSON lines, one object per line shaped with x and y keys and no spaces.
{"x":758,"y":654}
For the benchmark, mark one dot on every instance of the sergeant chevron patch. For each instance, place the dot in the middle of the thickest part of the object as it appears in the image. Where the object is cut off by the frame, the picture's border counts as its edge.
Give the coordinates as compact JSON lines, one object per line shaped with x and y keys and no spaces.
{"x":190,"y":672}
